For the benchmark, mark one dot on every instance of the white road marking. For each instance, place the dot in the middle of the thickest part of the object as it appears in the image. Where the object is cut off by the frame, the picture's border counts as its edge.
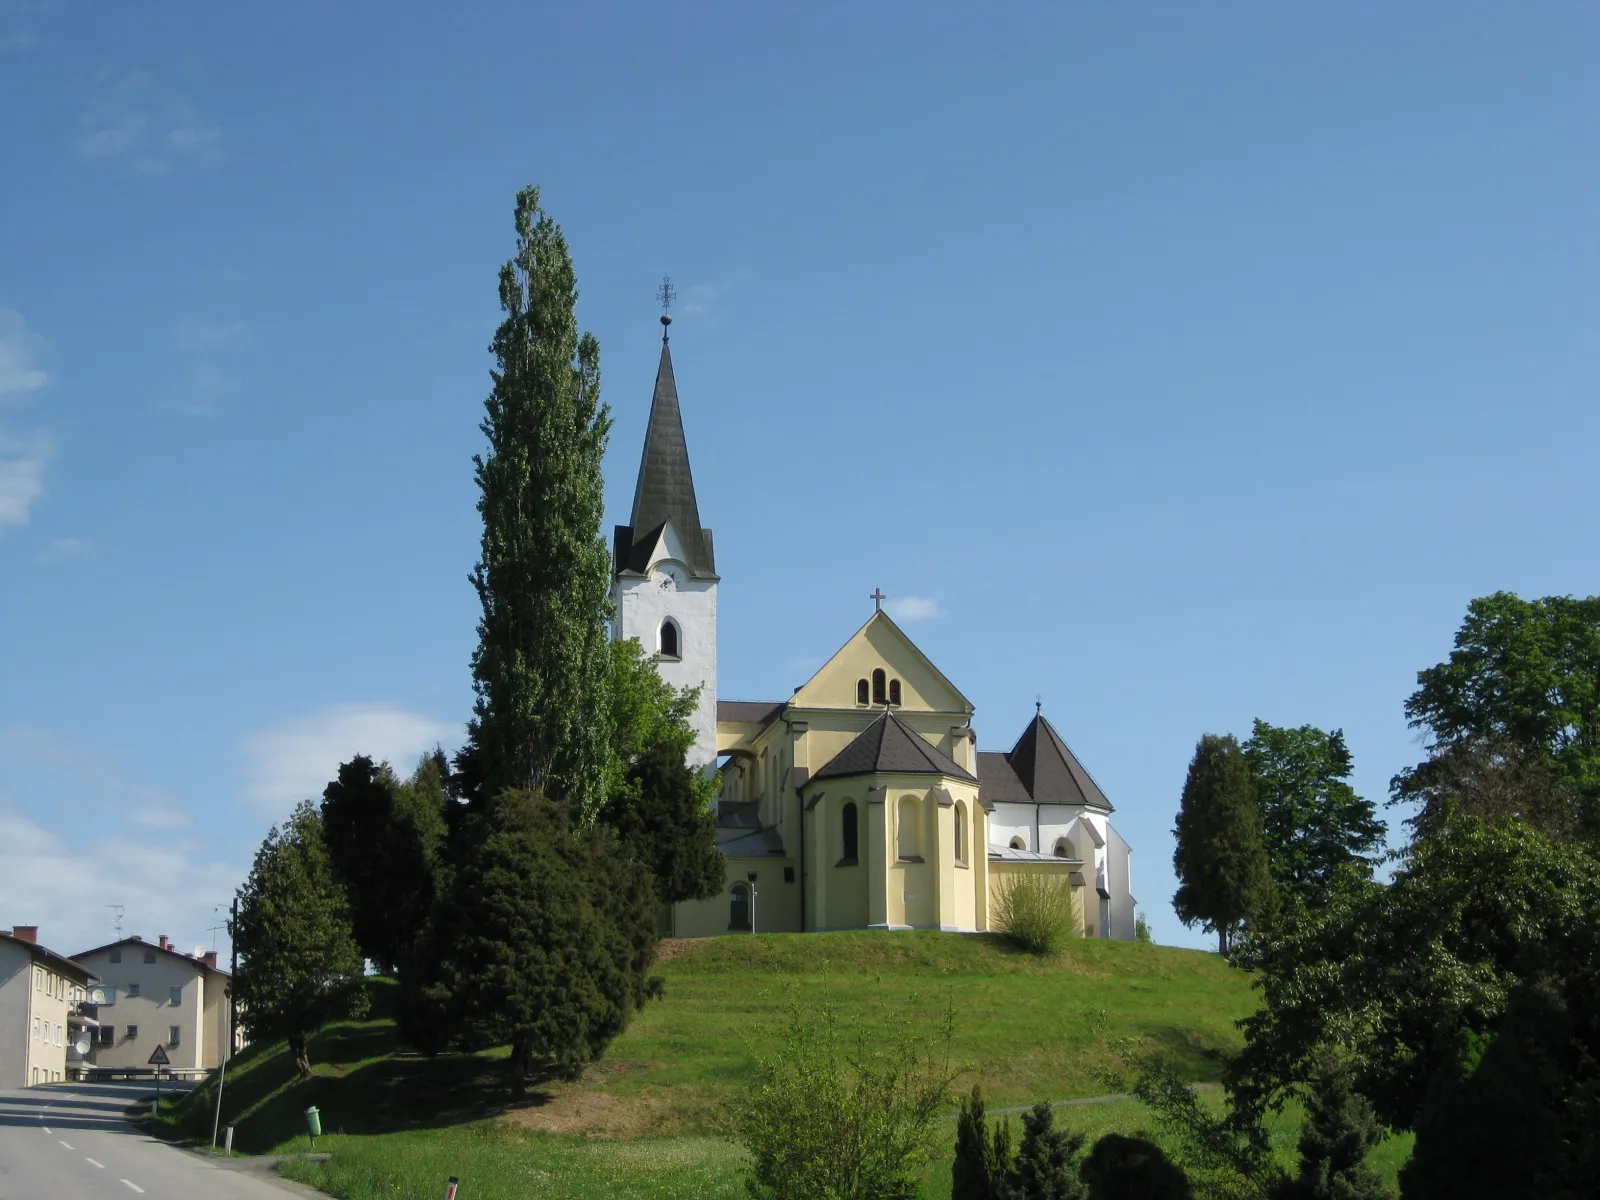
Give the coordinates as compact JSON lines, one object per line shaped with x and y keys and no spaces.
{"x":47,"y":1129}
{"x":135,"y":1187}
{"x":92,"y":1162}
{"x":64,"y":1144}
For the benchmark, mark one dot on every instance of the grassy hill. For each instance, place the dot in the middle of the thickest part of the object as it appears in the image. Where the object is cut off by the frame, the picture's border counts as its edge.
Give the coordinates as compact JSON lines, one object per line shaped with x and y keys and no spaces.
{"x":650,"y":1119}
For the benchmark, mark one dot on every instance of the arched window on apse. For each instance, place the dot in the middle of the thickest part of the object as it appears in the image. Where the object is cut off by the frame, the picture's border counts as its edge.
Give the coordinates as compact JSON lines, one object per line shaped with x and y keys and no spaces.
{"x":862,"y":695}
{"x":848,"y":829}
{"x":669,"y":640}
{"x":1018,"y":844}
{"x":739,"y":908}
{"x":894,"y":692}
{"x":908,"y":827}
{"x":1063,"y":848}
{"x":961,"y":832}
{"x":878,"y":681}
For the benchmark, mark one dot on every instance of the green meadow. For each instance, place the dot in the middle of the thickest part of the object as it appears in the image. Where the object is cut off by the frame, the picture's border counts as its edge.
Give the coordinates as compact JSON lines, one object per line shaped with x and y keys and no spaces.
{"x":651,"y":1120}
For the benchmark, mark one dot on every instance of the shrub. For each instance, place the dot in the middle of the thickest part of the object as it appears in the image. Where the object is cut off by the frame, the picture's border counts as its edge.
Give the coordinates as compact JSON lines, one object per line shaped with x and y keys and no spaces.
{"x":837,"y":1119}
{"x":1034,"y":909}
{"x":1131,"y":1168}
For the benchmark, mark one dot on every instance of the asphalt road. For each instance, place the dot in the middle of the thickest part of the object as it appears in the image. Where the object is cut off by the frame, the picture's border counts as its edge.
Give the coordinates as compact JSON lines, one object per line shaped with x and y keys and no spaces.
{"x":72,"y":1140}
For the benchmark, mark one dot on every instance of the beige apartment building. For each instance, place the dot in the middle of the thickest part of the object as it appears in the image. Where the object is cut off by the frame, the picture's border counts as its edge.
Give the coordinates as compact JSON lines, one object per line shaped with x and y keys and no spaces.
{"x":153,"y":994}
{"x":42,"y":1009}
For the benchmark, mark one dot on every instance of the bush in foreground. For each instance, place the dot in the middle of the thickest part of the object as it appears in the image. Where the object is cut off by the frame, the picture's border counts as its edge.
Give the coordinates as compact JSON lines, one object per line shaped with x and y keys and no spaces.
{"x":1035,"y":910}
{"x":839,"y":1119}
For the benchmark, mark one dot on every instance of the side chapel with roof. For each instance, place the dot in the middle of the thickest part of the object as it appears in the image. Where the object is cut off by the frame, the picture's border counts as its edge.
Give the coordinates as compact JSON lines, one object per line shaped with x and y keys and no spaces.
{"x":861,"y":801}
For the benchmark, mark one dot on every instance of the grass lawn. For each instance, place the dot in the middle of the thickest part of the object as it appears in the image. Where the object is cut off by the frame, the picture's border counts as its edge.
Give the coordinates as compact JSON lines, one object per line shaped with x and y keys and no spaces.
{"x":650,"y":1121}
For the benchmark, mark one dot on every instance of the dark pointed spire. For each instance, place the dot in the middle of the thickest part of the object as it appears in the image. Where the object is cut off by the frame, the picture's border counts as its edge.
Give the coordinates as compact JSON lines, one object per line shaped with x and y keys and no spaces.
{"x":1050,"y":770}
{"x":665,"y":490}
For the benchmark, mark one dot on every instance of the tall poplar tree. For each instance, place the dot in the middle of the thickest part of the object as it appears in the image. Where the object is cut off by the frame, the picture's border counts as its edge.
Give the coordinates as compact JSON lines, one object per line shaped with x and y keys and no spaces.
{"x":1224,"y":879}
{"x":540,"y":671}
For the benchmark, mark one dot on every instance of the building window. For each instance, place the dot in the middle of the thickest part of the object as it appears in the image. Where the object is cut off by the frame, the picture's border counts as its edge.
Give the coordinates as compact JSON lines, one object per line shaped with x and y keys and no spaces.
{"x":908,"y":830}
{"x":669,"y":640}
{"x":739,"y":909}
{"x":1018,"y":844}
{"x":150,"y":956}
{"x":848,"y":828}
{"x":174,"y":1035}
{"x":894,"y":692}
{"x":36,"y":1025}
{"x":176,"y":997}
{"x":863,"y":696}
{"x":133,"y":991}
{"x":115,"y":956}
{"x":961,"y":832}
{"x":38,"y":979}
{"x":1063,"y":848}
{"x":106,"y":1035}
{"x":879,"y":679}
{"x":133,"y":1032}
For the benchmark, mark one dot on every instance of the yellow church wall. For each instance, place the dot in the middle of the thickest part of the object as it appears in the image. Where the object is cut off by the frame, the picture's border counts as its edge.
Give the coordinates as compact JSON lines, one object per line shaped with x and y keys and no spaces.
{"x":838,"y":891}
{"x":777,"y":902}
{"x":880,"y":643}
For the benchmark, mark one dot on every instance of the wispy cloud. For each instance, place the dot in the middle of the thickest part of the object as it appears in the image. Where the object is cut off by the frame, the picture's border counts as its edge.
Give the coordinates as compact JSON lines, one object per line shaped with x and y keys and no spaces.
{"x":23,"y":459}
{"x":63,"y":550}
{"x":208,"y":333}
{"x":23,"y":456}
{"x":913,"y":608}
{"x":707,"y":301}
{"x":294,"y":760}
{"x":66,"y":885}
{"x":160,"y":818}
{"x":134,"y":118}
{"x":20,"y":352}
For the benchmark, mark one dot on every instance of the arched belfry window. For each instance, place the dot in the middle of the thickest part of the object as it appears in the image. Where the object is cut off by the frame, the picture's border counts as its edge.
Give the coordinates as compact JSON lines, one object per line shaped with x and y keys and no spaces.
{"x":879,"y":680}
{"x":851,"y":838}
{"x":1018,"y":844}
{"x":1063,"y":848}
{"x":739,"y":908}
{"x":894,"y":692}
{"x":669,"y":640}
{"x":862,"y":695}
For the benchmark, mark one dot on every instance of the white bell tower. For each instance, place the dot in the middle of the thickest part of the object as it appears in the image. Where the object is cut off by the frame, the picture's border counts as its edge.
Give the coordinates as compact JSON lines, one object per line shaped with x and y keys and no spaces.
{"x":665,"y":581}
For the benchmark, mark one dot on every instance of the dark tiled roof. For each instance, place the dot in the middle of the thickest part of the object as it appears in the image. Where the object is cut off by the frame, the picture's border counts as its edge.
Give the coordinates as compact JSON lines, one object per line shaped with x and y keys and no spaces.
{"x":738,"y":814}
{"x":1050,"y":771}
{"x":755,"y":712}
{"x":156,"y":946}
{"x":754,"y":843}
{"x":999,"y":781}
{"x":888,"y":746}
{"x":665,"y":490}
{"x":59,"y":962}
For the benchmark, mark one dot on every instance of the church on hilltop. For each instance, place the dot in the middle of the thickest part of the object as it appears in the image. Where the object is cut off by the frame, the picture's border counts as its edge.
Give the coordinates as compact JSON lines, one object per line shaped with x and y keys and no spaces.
{"x":862,"y":801}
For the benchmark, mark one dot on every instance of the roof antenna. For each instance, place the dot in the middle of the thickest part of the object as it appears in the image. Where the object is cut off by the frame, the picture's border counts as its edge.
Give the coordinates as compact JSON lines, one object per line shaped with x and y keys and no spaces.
{"x":116,"y":918}
{"x":665,"y":295}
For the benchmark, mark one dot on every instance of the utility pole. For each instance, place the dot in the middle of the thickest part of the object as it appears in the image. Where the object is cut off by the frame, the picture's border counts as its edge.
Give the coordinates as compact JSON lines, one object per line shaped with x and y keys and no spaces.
{"x":233,"y":1018}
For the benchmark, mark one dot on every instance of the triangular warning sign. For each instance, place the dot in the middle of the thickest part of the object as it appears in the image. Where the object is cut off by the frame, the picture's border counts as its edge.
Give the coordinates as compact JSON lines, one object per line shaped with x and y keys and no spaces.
{"x":158,"y":1057}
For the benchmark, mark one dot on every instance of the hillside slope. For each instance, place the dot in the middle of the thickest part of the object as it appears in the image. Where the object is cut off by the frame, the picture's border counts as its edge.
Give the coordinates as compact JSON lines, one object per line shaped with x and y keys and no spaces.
{"x":1027,"y":1028}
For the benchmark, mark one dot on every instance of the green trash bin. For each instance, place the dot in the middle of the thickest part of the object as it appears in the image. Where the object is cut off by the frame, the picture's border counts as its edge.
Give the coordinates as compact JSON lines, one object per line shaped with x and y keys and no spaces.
{"x":313,"y":1123}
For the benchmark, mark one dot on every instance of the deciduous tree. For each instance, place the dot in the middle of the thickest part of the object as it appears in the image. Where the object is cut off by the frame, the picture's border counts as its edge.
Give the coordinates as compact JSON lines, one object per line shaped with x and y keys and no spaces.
{"x":1312,"y":820}
{"x":542,"y":666}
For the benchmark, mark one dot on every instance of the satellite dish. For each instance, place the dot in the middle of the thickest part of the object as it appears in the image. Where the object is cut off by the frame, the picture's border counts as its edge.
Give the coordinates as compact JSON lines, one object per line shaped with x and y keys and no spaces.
{"x":81,"y":1045}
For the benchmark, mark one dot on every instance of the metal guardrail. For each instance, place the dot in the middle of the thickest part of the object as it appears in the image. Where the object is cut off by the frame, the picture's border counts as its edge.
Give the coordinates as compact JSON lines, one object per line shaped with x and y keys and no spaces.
{"x":83,"y":1074}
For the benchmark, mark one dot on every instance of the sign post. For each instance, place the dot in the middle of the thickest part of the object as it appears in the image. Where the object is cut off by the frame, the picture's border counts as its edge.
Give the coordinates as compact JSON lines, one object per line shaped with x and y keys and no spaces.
{"x":158,"y":1059}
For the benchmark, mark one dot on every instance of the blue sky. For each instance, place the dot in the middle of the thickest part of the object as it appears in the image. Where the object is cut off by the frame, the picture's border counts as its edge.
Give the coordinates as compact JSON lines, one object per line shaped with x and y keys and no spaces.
{"x":1179,"y":363}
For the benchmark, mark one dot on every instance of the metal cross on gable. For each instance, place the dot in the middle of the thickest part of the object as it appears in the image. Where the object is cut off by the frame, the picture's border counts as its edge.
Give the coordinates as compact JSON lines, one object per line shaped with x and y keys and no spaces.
{"x":877,"y":599}
{"x":666,"y":293}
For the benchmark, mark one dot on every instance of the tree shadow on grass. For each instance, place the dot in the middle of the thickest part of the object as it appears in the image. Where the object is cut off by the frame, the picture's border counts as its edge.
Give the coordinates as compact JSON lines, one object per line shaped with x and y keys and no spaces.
{"x":1193,"y":1054}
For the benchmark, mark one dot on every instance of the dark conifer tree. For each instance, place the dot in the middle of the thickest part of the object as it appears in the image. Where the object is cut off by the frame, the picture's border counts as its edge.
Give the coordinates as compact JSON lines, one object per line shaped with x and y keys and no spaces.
{"x":299,"y":965}
{"x":545,"y":939}
{"x":1046,"y":1165}
{"x":665,"y":822}
{"x":544,"y":573}
{"x":977,"y":1173}
{"x":1340,"y":1129}
{"x":1224,"y":879}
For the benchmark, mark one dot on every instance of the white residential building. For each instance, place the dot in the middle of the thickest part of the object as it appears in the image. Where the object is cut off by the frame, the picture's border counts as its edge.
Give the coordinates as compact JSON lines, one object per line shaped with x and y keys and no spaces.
{"x":153,"y":995}
{"x":42,"y":997}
